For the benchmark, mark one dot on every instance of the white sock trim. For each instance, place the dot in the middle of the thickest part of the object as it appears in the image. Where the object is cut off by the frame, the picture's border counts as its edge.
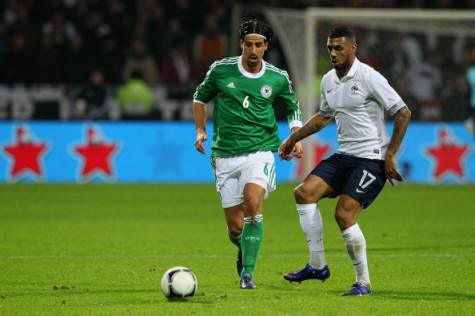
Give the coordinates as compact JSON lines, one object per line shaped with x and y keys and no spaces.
{"x":306,"y":207}
{"x":355,"y":229}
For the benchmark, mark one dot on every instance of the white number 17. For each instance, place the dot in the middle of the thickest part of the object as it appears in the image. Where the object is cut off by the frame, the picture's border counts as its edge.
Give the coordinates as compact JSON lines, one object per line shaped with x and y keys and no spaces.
{"x":371,"y":179}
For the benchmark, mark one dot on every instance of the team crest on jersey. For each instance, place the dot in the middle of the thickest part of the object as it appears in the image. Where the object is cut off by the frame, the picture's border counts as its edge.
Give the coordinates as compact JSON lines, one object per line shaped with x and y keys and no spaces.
{"x":355,"y":89}
{"x":266,"y":91}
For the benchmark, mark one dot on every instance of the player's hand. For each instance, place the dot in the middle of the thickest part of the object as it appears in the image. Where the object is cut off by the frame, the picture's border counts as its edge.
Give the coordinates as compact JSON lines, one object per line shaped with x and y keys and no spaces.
{"x":200,"y":138}
{"x":297,"y":152}
{"x":391,"y":170}
{"x":286,"y":148}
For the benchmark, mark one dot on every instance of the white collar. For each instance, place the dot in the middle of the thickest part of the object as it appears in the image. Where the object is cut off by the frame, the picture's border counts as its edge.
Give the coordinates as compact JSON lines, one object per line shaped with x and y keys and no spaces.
{"x":352,"y":71}
{"x":250,"y":74}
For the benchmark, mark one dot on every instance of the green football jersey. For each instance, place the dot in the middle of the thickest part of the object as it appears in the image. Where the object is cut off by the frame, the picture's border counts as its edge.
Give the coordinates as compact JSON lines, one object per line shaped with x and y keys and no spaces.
{"x":243,"y":116}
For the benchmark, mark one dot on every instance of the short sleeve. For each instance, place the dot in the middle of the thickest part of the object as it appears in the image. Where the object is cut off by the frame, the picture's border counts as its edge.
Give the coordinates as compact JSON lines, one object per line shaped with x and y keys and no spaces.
{"x":324,"y":107}
{"x":383,"y":93}
{"x":207,"y":89}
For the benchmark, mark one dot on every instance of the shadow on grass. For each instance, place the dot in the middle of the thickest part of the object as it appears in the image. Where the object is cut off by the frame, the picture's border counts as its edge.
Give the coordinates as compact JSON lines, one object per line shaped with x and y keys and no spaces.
{"x":199,"y":298}
{"x":436,"y":296}
{"x":418,"y":296}
{"x":285,"y":287}
{"x":75,"y":292}
{"x":403,"y":248}
{"x":425,"y":247}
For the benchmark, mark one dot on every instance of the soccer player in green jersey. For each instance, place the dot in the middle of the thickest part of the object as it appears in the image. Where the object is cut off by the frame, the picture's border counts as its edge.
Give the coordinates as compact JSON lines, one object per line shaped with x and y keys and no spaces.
{"x":245,"y":135}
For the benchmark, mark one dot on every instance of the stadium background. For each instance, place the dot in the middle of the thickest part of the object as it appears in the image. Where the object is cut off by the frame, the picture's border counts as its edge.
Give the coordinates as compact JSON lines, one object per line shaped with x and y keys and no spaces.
{"x":120,"y":74}
{"x":78,"y":238}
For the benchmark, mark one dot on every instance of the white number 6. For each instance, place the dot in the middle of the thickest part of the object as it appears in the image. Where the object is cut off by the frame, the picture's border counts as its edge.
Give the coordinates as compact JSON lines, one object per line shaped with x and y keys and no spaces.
{"x":245,"y":103}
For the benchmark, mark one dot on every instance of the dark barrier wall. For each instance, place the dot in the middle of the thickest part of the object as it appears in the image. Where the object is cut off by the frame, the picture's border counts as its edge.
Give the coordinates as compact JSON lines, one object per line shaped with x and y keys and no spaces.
{"x":164,"y":152}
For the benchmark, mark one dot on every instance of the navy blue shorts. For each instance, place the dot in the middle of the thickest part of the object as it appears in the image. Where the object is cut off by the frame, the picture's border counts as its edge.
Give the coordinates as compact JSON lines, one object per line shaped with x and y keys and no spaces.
{"x":360,"y":178}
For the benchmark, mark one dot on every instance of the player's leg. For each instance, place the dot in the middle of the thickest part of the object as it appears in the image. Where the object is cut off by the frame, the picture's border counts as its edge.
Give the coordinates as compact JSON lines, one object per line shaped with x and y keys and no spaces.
{"x":227,"y":184}
{"x":258,"y":179}
{"x":235,"y":220}
{"x":346,"y":215}
{"x":306,"y":195}
{"x":365,"y":182}
{"x":253,"y":229}
{"x":320,"y":183}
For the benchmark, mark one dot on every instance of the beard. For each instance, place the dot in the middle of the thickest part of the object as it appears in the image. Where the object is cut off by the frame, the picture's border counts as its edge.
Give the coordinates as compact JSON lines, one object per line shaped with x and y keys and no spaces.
{"x":342,"y":66}
{"x":251,"y":63}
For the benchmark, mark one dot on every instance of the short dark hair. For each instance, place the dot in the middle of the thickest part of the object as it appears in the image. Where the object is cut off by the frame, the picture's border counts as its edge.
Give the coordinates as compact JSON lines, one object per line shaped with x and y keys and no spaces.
{"x":342,"y":31}
{"x":254,"y":26}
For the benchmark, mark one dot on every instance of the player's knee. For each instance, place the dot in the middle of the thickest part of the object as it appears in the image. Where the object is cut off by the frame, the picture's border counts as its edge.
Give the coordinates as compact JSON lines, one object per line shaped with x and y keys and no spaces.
{"x":235,"y":229}
{"x":252,"y":206}
{"x":341,"y":218}
{"x":235,"y":224}
{"x":302,"y":195}
{"x":344,"y":217}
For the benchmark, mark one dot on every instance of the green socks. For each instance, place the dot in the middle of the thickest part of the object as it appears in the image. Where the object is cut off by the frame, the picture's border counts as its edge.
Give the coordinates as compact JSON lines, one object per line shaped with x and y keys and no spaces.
{"x":251,"y":238}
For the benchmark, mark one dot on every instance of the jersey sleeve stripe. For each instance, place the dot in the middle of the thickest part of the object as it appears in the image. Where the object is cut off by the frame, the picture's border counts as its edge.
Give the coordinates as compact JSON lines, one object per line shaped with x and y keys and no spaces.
{"x":295,"y":123}
{"x":206,"y":78}
{"x":295,"y":115}
{"x":396,"y":107}
{"x":198,"y":101}
{"x":281,"y":72}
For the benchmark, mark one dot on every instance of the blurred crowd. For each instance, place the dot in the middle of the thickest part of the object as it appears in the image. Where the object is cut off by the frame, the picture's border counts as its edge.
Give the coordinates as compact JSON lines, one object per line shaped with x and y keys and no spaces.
{"x":137,"y":46}
{"x":429,"y":71}
{"x":413,"y":4}
{"x":63,"y":41}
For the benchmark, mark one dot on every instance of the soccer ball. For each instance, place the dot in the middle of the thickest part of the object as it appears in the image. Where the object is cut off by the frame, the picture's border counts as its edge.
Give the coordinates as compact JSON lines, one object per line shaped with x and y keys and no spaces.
{"x":179,"y":283}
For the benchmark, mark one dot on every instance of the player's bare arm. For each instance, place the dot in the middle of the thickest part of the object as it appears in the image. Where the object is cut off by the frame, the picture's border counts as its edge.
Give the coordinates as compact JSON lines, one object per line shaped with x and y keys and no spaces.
{"x":313,"y":125}
{"x":297,"y":152}
{"x":401,"y":121}
{"x":199,"y":116}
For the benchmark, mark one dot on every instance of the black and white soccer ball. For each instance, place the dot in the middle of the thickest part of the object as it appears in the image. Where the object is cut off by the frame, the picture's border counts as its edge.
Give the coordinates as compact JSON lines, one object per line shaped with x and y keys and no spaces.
{"x":179,"y":283}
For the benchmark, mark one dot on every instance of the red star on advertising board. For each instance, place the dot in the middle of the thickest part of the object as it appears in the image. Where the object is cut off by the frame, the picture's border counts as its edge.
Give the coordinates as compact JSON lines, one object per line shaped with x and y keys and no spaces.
{"x":319,"y":153}
{"x":96,"y":154}
{"x":26,"y":154}
{"x":447,"y":155}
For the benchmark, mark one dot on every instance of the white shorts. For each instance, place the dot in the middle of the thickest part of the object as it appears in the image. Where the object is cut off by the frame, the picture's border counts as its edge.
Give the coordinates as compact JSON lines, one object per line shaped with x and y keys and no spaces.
{"x":233,"y":173}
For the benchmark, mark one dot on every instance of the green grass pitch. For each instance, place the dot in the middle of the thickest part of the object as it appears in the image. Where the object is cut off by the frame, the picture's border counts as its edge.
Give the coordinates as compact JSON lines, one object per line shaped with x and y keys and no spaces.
{"x":101,"y":249}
